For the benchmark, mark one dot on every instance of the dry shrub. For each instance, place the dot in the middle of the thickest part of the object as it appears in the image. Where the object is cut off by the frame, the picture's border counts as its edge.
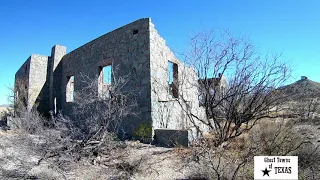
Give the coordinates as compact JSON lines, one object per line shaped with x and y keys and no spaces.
{"x":234,"y":159}
{"x":309,"y":158}
{"x":19,"y":116}
{"x":275,"y":138}
{"x":28,"y":122}
{"x":102,"y":112}
{"x":278,"y":138}
{"x":223,"y":162}
{"x":3,"y":119}
{"x":236,"y":84}
{"x":89,"y":135}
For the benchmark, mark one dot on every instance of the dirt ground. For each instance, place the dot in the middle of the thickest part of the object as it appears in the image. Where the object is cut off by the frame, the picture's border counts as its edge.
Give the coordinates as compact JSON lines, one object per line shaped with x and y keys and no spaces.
{"x":18,"y":160}
{"x":309,"y":130}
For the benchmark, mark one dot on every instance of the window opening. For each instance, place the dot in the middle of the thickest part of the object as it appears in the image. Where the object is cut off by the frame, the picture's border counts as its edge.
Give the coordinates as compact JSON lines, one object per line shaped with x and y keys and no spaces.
{"x":173,"y":79}
{"x":135,"y":31}
{"x":70,"y":89}
{"x":55,"y":105}
{"x":107,"y":74}
{"x":105,"y":80}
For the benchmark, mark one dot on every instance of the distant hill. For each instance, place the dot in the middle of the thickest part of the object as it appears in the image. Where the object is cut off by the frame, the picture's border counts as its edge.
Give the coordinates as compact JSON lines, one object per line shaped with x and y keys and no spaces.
{"x":302,"y":89}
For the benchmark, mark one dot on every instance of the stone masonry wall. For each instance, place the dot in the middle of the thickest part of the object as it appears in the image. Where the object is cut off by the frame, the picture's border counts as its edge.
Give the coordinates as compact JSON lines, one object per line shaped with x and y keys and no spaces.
{"x":32,"y":74}
{"x":37,"y":75}
{"x":127,"y":49}
{"x":23,"y":73}
{"x":135,"y":50}
{"x":55,"y":77}
{"x":22,"y":78}
{"x":38,"y":95}
{"x":168,"y":111}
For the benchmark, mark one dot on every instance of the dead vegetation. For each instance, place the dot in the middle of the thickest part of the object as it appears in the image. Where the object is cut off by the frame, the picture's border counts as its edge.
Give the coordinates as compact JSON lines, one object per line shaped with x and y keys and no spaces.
{"x":133,"y":160}
{"x":56,"y":154}
{"x":244,"y":122}
{"x":249,"y":94}
{"x":246,"y":116}
{"x":234,"y":158}
{"x":89,"y":138}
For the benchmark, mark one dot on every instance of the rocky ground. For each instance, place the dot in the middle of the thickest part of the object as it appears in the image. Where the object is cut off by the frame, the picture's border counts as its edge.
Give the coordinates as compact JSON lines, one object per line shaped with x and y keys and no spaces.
{"x":309,"y":130}
{"x":21,"y":158}
{"x":139,"y":161}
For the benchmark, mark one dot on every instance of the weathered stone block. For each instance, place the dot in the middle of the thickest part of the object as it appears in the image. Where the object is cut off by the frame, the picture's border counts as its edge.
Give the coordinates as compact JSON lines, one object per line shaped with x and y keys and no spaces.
{"x":171,"y":137}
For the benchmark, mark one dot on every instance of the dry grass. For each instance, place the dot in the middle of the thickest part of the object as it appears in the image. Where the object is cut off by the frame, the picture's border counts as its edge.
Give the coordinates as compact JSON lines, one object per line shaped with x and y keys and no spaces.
{"x":3,"y":109}
{"x":19,"y":155}
{"x":269,"y":137}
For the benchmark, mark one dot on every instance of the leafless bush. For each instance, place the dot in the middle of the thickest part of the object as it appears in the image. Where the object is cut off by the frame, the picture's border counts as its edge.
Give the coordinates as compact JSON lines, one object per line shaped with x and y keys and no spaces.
{"x":237,"y":85}
{"x":32,"y":122}
{"x":90,"y":133}
{"x":307,"y":108}
{"x":275,"y":138}
{"x":20,"y":116}
{"x":223,"y":162}
{"x":309,"y":158}
{"x":3,"y":119}
{"x":18,"y":97}
{"x":278,"y":138}
{"x":238,"y":88}
{"x":234,"y":159}
{"x":100,"y":112}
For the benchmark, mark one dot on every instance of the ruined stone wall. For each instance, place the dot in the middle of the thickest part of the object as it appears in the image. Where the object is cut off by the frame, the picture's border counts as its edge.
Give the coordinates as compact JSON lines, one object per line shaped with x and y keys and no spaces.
{"x":168,"y":111}
{"x":37,"y":74}
{"x":38,"y":87}
{"x":127,"y":49}
{"x":33,"y":73}
{"x":55,"y":68}
{"x":23,"y":73}
{"x":22,"y":79}
{"x":135,"y":50}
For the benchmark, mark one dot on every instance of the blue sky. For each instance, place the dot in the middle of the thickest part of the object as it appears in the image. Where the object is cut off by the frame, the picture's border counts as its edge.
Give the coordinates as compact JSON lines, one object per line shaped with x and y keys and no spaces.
{"x":33,"y":27}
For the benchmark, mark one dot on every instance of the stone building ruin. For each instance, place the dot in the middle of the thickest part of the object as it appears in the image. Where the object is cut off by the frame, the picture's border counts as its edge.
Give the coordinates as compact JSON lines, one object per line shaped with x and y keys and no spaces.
{"x":158,"y":78}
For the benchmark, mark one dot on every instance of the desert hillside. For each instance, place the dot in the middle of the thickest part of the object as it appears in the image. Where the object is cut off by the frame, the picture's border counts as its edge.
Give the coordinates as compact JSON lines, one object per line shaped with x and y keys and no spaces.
{"x":302,"y":89}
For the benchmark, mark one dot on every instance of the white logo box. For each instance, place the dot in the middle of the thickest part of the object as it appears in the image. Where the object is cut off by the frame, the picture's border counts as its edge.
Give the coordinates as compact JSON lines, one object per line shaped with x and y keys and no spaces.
{"x":276,"y":167}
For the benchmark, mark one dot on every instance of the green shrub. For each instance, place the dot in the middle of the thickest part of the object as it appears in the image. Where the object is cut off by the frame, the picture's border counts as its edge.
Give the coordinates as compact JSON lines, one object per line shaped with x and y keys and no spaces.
{"x":144,"y":131}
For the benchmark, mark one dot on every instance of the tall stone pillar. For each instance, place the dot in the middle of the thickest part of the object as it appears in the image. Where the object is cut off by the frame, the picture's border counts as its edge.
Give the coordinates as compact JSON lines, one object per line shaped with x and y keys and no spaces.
{"x":55,"y":77}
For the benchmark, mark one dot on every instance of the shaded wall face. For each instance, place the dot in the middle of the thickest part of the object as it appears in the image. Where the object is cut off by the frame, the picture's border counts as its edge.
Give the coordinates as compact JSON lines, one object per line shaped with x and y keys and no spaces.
{"x":170,"y":110}
{"x":55,"y":77}
{"x":22,"y":83}
{"x":32,"y":77}
{"x":127,"y":50}
{"x":36,"y":77}
{"x":22,"y":75}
